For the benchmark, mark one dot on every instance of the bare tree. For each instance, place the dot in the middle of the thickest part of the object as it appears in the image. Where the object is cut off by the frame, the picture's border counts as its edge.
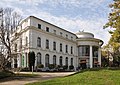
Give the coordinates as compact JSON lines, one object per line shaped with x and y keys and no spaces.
{"x":9,"y":20}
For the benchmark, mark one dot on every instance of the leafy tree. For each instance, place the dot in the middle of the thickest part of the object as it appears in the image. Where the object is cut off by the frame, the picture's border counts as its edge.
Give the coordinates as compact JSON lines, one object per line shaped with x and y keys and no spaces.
{"x":114,"y":23}
{"x":31,"y":59}
{"x":9,"y":20}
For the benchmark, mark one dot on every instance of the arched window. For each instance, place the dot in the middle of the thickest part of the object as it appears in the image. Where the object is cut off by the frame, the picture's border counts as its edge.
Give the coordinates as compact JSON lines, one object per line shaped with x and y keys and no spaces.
{"x":60,"y":61}
{"x":47,"y":44}
{"x":71,"y":50}
{"x":60,"y":47}
{"x":54,"y":59}
{"x":39,"y":42}
{"x":66,"y":48}
{"x":54,"y":45}
{"x":39,"y":58}
{"x":46,"y":60}
{"x":71,"y":61}
{"x":26,"y":39}
{"x":66,"y":61}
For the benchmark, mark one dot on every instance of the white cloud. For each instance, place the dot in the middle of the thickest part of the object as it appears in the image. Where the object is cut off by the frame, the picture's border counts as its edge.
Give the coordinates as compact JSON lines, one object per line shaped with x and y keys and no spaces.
{"x":73,"y":24}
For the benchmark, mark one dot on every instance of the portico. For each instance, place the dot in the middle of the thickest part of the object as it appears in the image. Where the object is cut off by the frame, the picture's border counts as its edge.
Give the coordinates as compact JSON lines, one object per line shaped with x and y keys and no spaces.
{"x":89,"y":52}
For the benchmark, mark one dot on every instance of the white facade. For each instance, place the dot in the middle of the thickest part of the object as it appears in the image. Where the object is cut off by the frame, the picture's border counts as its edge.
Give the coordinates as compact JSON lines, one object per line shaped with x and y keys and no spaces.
{"x":46,"y":39}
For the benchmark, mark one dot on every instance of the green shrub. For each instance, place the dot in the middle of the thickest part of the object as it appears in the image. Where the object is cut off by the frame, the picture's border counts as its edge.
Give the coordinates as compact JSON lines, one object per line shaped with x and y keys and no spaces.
{"x":51,"y":66}
{"x":40,"y":66}
{"x":71,"y":67}
{"x":25,"y":69}
{"x":65,"y":67}
{"x":5,"y":74}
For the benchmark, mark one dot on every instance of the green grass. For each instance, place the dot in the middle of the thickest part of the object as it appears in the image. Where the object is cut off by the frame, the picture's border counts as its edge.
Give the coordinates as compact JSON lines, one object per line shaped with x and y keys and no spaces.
{"x":100,"y":77}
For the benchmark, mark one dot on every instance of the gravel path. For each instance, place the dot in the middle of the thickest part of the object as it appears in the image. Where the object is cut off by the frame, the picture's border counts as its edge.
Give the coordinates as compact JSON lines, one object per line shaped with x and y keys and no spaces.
{"x":43,"y":76}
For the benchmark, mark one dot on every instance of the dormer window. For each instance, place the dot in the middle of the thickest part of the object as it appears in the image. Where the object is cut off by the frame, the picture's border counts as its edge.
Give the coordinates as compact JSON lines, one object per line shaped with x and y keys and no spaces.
{"x":54,"y":31}
{"x":71,"y":38}
{"x":39,"y":26}
{"x":47,"y":29}
{"x":66,"y":36}
{"x":61,"y":33}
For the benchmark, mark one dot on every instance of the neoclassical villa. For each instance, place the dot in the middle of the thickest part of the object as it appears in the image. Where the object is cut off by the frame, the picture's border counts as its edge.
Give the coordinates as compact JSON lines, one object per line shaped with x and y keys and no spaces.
{"x":54,"y":45}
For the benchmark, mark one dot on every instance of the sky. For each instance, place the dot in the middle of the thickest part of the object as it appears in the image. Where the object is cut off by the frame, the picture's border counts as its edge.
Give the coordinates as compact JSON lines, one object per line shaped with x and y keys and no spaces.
{"x":72,"y":15}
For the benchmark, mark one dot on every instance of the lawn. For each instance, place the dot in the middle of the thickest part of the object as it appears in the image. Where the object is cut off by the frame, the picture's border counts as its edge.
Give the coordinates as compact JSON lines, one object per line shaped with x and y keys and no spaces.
{"x":100,"y":77}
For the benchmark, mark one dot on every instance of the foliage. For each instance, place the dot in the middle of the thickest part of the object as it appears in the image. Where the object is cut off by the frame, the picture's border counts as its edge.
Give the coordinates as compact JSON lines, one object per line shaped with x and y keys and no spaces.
{"x":5,"y":74}
{"x":98,"y":77}
{"x":51,"y":66}
{"x":26,"y":69}
{"x":71,"y":67}
{"x":9,"y":20}
{"x":31,"y":59}
{"x":65,"y":67}
{"x":114,"y":22}
{"x":40,"y":66}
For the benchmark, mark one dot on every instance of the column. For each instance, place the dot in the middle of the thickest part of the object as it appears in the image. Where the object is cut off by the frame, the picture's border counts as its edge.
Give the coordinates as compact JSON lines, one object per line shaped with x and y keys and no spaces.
{"x":91,"y":57}
{"x":99,"y":56}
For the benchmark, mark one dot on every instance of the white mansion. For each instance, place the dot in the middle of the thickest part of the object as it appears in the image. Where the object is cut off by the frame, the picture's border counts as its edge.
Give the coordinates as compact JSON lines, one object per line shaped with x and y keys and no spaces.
{"x":54,"y":45}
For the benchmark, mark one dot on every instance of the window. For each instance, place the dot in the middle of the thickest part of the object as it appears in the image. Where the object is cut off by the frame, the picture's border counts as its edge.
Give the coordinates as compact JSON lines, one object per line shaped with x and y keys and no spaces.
{"x":71,"y":61}
{"x":66,"y":36}
{"x":39,"y":42}
{"x":66,"y":48}
{"x":95,"y":51}
{"x":54,"y":45}
{"x":15,"y":47}
{"x":47,"y":29}
{"x":71,"y":38}
{"x":71,"y":50}
{"x":60,"y":33}
{"x":60,"y":61}
{"x":47,"y":44}
{"x":66,"y":61}
{"x":54,"y":59}
{"x":20,"y":43}
{"x":60,"y":47}
{"x":26,"y":41}
{"x":39,"y":58}
{"x":46,"y":60}
{"x":84,"y":50}
{"x":54,"y":31}
{"x":39,"y":26}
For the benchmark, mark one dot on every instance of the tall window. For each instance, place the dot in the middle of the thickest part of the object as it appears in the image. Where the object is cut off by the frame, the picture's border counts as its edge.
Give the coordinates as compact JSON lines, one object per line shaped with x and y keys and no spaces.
{"x":20,"y":43}
{"x":54,"y":45}
{"x":71,"y":50}
{"x":66,"y":48}
{"x":46,"y":60}
{"x":47,"y":29}
{"x":95,"y":51}
{"x":39,"y":58}
{"x":54,"y":59}
{"x":66,"y":36}
{"x":15,"y":47}
{"x":71,"y":61}
{"x":39,"y":42}
{"x":84,"y":50}
{"x":66,"y":61}
{"x":60,"y":60}
{"x":60,"y":47}
{"x":39,"y":26}
{"x":54,"y":31}
{"x":61,"y":33}
{"x":26,"y":39}
{"x":47,"y":44}
{"x":71,"y":38}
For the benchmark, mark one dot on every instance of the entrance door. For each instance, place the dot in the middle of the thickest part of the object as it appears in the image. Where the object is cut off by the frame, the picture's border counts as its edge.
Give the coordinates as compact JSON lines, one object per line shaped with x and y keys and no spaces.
{"x":83,"y":64}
